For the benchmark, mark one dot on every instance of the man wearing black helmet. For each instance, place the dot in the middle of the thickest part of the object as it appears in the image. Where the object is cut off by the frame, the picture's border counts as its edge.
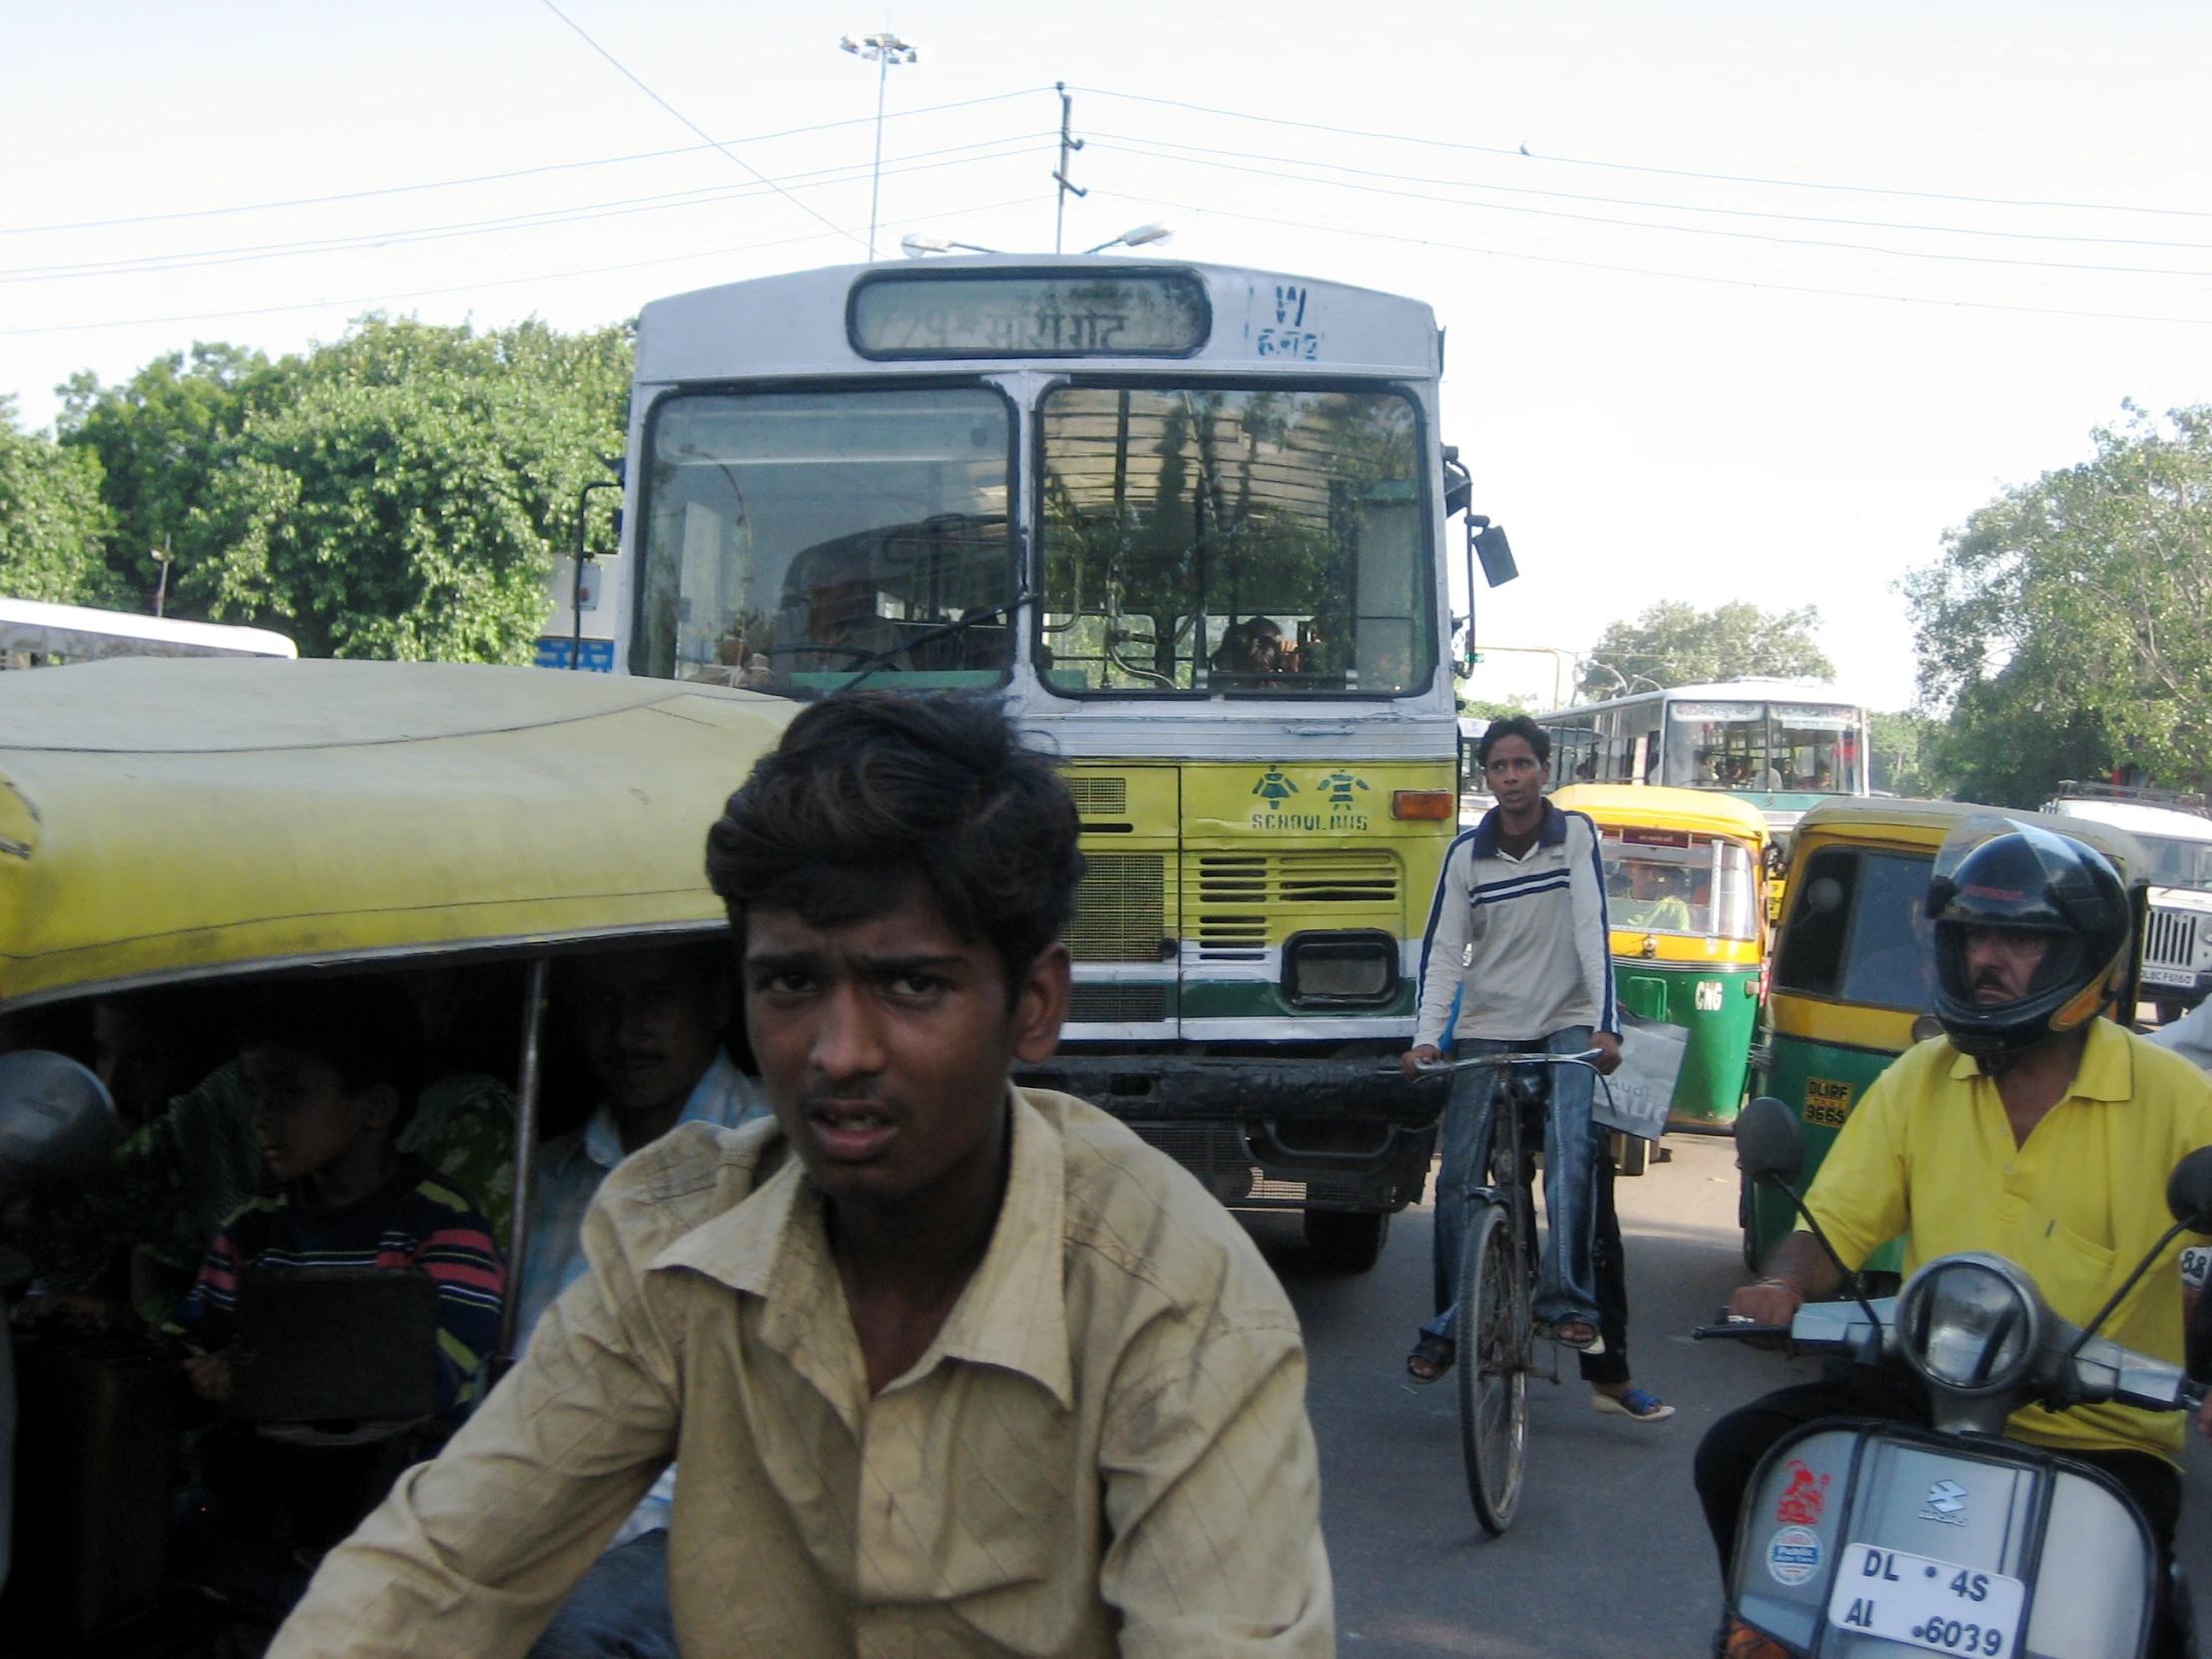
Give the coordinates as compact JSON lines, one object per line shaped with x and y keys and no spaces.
{"x":2034,"y":1128}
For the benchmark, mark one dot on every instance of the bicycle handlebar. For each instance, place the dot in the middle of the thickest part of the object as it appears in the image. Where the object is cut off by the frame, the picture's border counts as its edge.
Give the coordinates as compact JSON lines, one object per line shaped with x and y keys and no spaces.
{"x":1499,"y":1062}
{"x":1737,"y":1331}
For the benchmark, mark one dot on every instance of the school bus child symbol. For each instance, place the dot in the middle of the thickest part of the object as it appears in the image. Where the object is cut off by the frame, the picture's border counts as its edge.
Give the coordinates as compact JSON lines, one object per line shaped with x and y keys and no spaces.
{"x":1338,"y":787}
{"x":1274,"y":785}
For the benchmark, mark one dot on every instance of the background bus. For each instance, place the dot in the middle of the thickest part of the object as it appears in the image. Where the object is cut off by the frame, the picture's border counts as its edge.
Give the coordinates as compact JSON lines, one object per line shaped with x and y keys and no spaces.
{"x":1188,"y":521}
{"x":1781,"y":747}
{"x":34,"y":633}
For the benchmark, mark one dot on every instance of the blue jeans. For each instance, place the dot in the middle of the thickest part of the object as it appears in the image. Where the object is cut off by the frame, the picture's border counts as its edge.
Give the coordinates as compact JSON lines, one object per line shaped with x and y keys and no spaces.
{"x":1566,"y":1279}
{"x":619,"y":1610}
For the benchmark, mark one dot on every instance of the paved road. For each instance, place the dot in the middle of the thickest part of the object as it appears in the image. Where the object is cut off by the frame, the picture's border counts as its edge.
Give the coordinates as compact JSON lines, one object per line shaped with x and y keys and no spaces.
{"x":1609,"y":1558}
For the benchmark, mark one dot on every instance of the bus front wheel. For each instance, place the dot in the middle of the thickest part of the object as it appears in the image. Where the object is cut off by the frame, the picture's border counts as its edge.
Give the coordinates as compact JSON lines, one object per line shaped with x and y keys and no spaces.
{"x":1347,"y":1241}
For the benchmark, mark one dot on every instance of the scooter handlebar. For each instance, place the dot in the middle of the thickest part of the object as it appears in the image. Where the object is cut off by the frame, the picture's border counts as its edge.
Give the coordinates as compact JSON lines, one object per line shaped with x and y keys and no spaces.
{"x":1736,"y":1330}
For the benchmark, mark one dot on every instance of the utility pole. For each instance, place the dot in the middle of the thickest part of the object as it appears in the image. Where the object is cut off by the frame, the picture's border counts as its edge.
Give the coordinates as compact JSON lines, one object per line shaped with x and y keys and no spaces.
{"x":162,"y":556}
{"x":1069,"y":143}
{"x":884,"y":50}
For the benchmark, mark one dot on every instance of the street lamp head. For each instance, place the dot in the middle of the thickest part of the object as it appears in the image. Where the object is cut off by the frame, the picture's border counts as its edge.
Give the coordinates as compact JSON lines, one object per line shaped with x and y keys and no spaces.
{"x":1138,"y":238}
{"x":918,"y":247}
{"x":886,"y":48}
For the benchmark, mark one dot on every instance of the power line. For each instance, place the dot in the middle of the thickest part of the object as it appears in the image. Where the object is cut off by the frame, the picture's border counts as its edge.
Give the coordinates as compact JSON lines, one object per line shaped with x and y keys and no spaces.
{"x":1126,"y":147}
{"x":1645,"y":270}
{"x":499,"y":177}
{"x":1661,"y":172}
{"x":1021,"y":144}
{"x":489,"y":283}
{"x":702,"y":132}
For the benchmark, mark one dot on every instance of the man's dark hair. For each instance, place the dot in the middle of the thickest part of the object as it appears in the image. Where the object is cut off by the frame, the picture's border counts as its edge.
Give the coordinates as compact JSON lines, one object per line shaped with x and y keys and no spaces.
{"x":1514,"y":726}
{"x":365,"y":1028}
{"x":874,"y":793}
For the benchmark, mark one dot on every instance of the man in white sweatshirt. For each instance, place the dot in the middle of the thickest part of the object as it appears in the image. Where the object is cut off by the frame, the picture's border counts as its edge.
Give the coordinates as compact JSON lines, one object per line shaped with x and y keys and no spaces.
{"x":1517,"y":957}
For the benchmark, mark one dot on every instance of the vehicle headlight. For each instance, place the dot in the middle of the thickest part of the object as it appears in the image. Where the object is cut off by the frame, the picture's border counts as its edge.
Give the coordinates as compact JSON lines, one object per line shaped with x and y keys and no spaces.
{"x":1347,"y":969}
{"x":1970,"y":1322}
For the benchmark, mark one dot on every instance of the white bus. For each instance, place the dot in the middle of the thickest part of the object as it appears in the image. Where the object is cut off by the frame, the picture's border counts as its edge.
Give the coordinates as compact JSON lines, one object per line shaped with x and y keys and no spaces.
{"x":1190,"y":523}
{"x":1779,"y":746}
{"x":34,"y":633}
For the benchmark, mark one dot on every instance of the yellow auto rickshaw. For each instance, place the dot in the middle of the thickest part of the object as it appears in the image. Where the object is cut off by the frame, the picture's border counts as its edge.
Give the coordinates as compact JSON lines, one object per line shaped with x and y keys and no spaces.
{"x":1854,"y":974}
{"x":188,"y":828}
{"x":1684,"y":873}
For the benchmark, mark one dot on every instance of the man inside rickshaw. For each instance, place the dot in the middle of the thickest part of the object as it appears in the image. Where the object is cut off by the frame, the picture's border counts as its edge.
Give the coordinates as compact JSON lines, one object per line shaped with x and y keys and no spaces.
{"x":333,"y":1068}
{"x":949,"y":1366}
{"x":2033,"y":1128}
{"x":652,"y":1024}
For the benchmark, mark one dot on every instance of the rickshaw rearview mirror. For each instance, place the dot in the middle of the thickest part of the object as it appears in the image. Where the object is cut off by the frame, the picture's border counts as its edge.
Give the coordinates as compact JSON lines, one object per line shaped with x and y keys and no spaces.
{"x":56,"y":1122}
{"x":1825,"y":896}
{"x":1769,"y":1144}
{"x":2189,"y":1190}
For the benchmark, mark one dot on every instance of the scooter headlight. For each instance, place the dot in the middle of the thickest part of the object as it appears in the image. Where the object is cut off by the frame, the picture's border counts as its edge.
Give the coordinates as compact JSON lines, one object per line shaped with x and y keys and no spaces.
{"x":1970,"y":1323}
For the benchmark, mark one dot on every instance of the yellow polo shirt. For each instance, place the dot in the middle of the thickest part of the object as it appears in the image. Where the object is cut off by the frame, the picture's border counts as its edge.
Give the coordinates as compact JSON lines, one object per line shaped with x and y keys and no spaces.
{"x":1929,"y":1152}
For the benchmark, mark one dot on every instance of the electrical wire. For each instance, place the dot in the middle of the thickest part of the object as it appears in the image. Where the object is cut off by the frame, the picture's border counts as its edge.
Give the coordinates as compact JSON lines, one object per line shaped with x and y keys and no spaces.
{"x":1661,"y":172}
{"x":804,"y":206}
{"x":1370,"y":189}
{"x":921,"y":162}
{"x":1140,"y":200}
{"x":502,"y":178}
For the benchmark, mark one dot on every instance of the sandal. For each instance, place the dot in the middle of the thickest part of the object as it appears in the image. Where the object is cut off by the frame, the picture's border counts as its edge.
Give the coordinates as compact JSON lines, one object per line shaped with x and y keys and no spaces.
{"x":1436,"y":1353}
{"x":1592,"y":1344}
{"x":1640,"y":1404}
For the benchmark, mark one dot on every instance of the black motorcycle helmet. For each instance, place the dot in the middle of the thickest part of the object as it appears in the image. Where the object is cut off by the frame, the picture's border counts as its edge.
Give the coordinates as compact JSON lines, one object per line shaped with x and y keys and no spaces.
{"x":1994,"y":872}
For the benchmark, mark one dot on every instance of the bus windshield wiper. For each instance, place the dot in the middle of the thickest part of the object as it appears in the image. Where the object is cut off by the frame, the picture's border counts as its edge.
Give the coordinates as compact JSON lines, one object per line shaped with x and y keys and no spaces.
{"x":881,"y":660}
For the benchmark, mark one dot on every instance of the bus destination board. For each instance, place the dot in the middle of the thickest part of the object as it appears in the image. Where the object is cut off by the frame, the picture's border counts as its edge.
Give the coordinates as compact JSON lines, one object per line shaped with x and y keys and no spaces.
{"x":1030,"y":315}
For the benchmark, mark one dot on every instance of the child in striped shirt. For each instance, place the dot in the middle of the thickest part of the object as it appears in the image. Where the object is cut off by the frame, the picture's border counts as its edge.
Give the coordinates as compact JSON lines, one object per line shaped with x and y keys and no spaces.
{"x":334,"y":1067}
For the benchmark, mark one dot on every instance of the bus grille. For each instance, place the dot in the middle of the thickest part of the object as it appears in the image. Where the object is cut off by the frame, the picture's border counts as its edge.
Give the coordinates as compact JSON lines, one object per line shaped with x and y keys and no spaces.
{"x":1121,"y":907}
{"x":2171,"y":940}
{"x":1117,"y":1004}
{"x":1230,"y":893}
{"x":1099,"y":796}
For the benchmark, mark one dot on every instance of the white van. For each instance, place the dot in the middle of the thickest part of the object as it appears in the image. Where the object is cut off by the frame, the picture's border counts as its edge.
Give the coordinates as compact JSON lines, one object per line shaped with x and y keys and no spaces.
{"x":2176,"y":833}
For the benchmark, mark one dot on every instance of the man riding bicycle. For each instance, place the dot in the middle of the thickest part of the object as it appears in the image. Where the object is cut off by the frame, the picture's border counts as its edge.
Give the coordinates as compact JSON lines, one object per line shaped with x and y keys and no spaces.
{"x":1517,"y":960}
{"x":2035,"y":1129}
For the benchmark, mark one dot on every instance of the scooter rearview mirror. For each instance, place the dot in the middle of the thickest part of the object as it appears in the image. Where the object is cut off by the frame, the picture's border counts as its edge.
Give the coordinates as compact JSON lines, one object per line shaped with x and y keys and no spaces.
{"x":56,"y":1120}
{"x":1769,"y":1144}
{"x":2189,"y":1190}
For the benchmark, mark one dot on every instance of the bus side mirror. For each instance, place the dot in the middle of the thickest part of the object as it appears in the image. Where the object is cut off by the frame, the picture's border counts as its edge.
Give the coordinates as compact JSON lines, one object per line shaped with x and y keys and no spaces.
{"x":1496,"y":554}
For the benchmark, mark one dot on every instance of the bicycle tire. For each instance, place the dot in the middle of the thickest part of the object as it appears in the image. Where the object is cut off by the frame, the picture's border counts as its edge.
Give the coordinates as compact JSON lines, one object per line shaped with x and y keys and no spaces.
{"x":1493,"y":1367}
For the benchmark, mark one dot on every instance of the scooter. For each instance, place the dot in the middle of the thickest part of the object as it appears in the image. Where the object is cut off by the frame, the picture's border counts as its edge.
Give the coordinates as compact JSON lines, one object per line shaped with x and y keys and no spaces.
{"x":1863,"y":1537}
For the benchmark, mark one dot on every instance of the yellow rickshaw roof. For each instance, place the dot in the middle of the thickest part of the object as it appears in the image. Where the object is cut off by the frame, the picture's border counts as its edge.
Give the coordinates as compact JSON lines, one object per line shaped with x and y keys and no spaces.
{"x":1703,"y":810}
{"x":164,"y":820}
{"x":1925,"y":824}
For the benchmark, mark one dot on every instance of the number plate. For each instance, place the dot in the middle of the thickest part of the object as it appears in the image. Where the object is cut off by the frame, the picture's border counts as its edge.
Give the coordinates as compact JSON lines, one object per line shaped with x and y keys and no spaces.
{"x":2169,"y":977}
{"x":1937,"y":1605}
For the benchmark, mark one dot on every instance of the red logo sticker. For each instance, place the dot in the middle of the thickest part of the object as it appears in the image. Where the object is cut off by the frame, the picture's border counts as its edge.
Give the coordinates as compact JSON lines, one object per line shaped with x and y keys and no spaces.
{"x":1803,"y":1498}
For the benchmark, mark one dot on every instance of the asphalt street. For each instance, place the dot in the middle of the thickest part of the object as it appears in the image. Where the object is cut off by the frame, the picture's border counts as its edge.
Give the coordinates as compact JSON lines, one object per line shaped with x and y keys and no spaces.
{"x":1608,"y":1558}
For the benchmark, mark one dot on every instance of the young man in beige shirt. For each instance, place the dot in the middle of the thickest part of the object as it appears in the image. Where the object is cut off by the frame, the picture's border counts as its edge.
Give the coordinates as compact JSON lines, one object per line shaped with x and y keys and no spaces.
{"x":953,"y":1368}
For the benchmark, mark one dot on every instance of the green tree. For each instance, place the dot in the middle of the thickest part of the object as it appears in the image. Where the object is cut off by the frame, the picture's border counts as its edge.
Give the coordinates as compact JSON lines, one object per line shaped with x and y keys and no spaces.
{"x":158,"y":436}
{"x":52,"y":521}
{"x":1909,"y":757}
{"x":2067,"y":627}
{"x":1676,"y":644}
{"x":397,"y":493}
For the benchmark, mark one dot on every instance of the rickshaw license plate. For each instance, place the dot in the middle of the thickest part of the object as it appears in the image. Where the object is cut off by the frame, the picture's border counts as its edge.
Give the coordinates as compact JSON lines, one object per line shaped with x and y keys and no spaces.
{"x":1938,"y":1605}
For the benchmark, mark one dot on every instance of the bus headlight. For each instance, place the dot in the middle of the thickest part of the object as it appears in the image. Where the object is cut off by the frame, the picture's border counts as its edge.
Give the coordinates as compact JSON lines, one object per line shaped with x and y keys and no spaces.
{"x":1971,"y":1323}
{"x":1340,"y":970}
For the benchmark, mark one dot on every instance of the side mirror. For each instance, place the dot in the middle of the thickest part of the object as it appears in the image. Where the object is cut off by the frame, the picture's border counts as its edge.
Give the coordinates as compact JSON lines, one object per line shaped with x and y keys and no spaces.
{"x":1496,"y":554}
{"x":2189,"y":1190}
{"x":1769,"y":1144}
{"x":56,"y":1122}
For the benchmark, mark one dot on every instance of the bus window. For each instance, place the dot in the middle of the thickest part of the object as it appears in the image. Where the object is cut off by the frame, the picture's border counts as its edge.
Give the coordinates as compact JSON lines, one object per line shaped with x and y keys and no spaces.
{"x":1815,"y":749}
{"x":1663,"y":882}
{"x":1858,"y":932}
{"x":1717,"y":746}
{"x":1230,"y":540}
{"x":794,"y":537}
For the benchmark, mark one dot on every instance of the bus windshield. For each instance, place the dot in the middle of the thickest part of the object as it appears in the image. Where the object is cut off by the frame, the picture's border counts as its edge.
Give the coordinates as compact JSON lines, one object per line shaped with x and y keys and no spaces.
{"x":1786,"y":747}
{"x":1249,"y":542}
{"x":797,"y":539}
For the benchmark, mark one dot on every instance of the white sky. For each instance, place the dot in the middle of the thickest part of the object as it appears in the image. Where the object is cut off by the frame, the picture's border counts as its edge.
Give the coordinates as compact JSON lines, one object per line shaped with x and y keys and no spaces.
{"x":1710,"y":433}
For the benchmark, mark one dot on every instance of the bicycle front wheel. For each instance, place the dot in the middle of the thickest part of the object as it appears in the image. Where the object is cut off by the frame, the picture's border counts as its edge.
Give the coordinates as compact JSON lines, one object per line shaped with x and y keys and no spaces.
{"x":1493,"y":1367}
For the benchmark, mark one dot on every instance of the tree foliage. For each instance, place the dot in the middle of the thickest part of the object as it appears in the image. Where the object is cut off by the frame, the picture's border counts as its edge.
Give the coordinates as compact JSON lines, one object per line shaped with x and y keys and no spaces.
{"x":1676,"y":644}
{"x":1909,"y":754}
{"x":400,"y":493}
{"x":2067,"y":627}
{"x":53,"y":523}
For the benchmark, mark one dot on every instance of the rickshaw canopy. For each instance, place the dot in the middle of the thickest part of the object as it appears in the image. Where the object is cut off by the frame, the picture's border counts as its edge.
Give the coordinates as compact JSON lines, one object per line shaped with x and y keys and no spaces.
{"x":168,"y":820}
{"x":1700,"y":812}
{"x":1925,"y":824}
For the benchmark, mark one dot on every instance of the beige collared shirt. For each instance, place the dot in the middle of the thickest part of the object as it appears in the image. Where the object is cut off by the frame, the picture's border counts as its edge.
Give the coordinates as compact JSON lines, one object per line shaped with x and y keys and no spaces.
{"x":1106,"y":1449}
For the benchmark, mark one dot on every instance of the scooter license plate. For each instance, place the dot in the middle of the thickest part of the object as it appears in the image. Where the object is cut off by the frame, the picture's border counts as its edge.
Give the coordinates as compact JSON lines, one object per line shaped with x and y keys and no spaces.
{"x":1938,"y":1605}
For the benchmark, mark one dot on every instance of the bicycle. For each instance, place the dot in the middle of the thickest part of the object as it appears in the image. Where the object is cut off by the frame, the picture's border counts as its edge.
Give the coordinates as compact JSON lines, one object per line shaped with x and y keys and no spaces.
{"x":1497,"y":1275}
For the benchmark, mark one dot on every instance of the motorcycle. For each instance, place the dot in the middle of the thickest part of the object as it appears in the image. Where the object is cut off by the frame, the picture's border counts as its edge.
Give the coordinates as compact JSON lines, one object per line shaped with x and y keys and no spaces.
{"x":1863,"y":1537}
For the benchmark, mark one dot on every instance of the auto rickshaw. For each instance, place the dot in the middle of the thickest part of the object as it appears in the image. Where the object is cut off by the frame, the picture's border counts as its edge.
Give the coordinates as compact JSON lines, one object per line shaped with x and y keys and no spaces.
{"x":1853,"y":976}
{"x":1684,"y":873}
{"x":198,"y":828}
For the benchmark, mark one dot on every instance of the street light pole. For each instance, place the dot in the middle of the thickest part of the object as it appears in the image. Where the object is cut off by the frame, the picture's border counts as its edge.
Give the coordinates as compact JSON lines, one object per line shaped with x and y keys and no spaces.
{"x":883,"y":49}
